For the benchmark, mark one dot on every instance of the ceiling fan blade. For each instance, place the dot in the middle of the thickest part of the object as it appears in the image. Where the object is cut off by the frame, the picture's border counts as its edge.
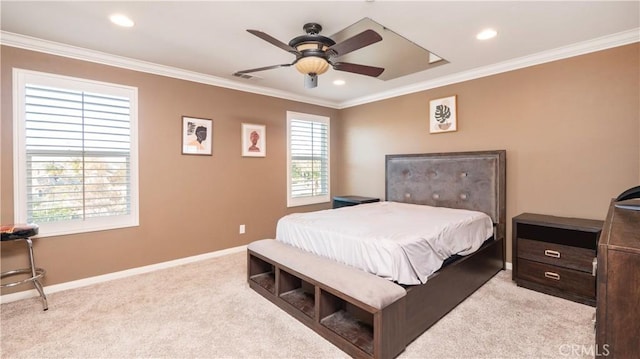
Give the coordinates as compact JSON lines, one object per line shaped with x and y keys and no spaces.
{"x":272,"y":40}
{"x":358,"y":69}
{"x":356,"y":42}
{"x":261,"y":69}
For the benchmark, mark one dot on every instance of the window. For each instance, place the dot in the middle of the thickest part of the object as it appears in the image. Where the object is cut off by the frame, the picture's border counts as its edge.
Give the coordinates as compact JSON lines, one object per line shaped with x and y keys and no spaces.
{"x":307,"y":159}
{"x":75,"y":153}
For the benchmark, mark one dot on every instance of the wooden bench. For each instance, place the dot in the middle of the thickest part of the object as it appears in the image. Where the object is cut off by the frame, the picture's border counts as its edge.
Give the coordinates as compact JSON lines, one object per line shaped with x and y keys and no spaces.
{"x":360,"y":313}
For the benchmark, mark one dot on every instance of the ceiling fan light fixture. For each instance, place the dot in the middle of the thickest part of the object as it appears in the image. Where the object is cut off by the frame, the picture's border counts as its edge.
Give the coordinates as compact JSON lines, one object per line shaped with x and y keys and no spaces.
{"x":316,"y":53}
{"x":312,"y":65}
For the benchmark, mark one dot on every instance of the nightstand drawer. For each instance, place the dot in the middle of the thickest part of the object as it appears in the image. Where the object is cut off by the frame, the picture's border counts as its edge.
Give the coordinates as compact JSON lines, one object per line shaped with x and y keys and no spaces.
{"x":569,"y":280}
{"x":557,"y":254}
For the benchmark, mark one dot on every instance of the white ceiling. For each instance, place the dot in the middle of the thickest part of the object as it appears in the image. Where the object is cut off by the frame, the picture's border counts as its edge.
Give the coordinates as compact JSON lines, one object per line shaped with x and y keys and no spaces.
{"x":207,"y":41}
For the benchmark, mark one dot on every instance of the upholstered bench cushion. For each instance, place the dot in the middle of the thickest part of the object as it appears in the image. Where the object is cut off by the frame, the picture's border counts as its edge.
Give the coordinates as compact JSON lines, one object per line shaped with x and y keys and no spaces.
{"x":367,"y":288}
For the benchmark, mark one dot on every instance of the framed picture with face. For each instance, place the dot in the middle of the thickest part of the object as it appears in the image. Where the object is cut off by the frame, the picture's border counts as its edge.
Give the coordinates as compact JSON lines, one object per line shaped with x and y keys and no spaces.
{"x":197,"y":136}
{"x":254,"y":140}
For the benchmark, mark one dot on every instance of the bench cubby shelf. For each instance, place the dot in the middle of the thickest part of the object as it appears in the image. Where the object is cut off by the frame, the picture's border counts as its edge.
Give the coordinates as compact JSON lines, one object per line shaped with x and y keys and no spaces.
{"x":347,"y":321}
{"x":297,"y":292}
{"x":349,"y":324}
{"x":263,"y":275}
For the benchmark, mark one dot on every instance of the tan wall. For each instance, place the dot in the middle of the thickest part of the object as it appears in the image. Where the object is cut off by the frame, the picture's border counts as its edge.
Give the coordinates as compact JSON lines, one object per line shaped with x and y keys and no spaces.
{"x":571,"y":129}
{"x":189,"y":205}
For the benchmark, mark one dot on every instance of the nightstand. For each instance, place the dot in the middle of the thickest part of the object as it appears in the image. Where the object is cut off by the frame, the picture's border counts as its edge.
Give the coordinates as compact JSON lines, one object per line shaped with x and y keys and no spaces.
{"x":344,"y":201}
{"x":556,"y":255}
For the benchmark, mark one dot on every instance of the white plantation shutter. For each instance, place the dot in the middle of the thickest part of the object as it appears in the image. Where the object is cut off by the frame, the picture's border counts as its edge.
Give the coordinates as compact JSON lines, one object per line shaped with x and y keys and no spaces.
{"x":308,"y":159}
{"x":76,"y":152}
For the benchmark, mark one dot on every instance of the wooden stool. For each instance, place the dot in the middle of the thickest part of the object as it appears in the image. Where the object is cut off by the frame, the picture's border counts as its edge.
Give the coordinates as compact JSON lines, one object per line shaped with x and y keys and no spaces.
{"x":23,"y":232}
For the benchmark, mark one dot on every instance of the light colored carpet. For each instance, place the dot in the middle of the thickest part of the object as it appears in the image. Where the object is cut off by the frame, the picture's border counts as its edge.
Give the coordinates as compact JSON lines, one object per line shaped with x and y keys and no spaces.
{"x":207,"y":310}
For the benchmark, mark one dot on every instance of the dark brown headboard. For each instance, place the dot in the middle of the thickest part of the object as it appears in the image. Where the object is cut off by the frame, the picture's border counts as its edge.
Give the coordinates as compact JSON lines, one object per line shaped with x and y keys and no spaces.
{"x":466,"y":180}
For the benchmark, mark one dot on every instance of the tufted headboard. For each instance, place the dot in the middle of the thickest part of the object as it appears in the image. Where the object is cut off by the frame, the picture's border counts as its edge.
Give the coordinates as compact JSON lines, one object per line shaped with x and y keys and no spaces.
{"x":466,"y":180}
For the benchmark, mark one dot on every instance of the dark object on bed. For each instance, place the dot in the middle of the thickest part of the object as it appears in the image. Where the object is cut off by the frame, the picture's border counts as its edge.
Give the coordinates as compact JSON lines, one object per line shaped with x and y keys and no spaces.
{"x":345,"y":201}
{"x":467,"y":180}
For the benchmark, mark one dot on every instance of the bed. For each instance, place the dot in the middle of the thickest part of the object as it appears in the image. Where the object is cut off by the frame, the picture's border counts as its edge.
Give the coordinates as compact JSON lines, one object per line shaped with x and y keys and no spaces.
{"x":401,"y":242}
{"x":377,"y":314}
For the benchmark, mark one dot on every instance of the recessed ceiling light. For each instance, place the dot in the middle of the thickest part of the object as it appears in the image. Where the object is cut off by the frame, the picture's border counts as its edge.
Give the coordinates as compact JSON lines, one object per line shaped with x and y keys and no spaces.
{"x":339,"y":82}
{"x":486,"y":34}
{"x":121,"y":20}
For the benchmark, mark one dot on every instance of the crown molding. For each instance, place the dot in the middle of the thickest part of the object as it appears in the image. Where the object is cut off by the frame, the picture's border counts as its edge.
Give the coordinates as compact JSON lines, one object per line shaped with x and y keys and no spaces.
{"x":54,"y":48}
{"x":581,"y":48}
{"x":79,"y":53}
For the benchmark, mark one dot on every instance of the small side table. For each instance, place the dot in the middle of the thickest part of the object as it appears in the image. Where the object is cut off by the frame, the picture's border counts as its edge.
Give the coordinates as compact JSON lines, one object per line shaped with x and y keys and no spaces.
{"x":344,"y":201}
{"x":556,"y":255}
{"x":23,"y":232}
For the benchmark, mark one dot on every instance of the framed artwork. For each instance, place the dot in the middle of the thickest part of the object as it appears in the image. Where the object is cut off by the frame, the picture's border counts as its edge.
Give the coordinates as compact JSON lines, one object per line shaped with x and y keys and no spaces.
{"x":254,"y":140}
{"x":442,"y":115}
{"x":197,"y":136}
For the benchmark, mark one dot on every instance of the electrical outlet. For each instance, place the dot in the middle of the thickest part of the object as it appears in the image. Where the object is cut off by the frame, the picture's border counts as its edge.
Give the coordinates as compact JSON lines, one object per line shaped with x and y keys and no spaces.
{"x":242,"y":229}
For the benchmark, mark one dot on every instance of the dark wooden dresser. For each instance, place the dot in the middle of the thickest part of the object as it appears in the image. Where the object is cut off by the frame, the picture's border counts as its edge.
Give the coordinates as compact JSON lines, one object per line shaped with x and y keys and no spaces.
{"x":556,"y":255}
{"x":618,"y":309}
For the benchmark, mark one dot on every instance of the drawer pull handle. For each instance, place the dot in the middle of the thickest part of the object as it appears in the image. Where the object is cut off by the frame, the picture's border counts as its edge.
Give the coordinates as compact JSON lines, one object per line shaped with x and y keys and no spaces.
{"x":552,"y":275}
{"x":550,"y":253}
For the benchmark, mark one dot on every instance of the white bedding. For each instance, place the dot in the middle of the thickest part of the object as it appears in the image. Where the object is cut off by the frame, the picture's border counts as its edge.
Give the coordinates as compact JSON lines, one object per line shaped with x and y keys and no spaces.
{"x":397,"y":241}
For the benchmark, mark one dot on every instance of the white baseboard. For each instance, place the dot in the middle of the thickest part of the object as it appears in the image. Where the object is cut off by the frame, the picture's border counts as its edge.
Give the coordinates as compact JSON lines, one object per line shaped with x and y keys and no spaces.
{"x":128,"y":273}
{"x":117,"y":275}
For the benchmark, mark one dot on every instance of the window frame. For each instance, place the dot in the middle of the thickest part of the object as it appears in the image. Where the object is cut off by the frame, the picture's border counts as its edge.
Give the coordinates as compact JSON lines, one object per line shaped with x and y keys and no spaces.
{"x":21,"y":78}
{"x":303,"y":201}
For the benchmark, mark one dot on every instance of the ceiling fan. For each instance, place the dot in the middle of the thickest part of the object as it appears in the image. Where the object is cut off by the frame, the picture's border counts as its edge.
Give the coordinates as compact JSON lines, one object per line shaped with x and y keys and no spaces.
{"x":315,"y":53}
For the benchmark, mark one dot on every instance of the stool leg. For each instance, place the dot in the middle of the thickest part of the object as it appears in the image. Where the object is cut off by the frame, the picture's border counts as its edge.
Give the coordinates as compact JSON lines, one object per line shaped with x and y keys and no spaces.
{"x":36,"y":283}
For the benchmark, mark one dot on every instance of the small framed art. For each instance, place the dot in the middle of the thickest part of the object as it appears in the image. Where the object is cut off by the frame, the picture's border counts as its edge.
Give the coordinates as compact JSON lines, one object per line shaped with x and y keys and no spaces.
{"x":442,"y":115}
{"x":254,"y":140}
{"x":197,"y":136}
